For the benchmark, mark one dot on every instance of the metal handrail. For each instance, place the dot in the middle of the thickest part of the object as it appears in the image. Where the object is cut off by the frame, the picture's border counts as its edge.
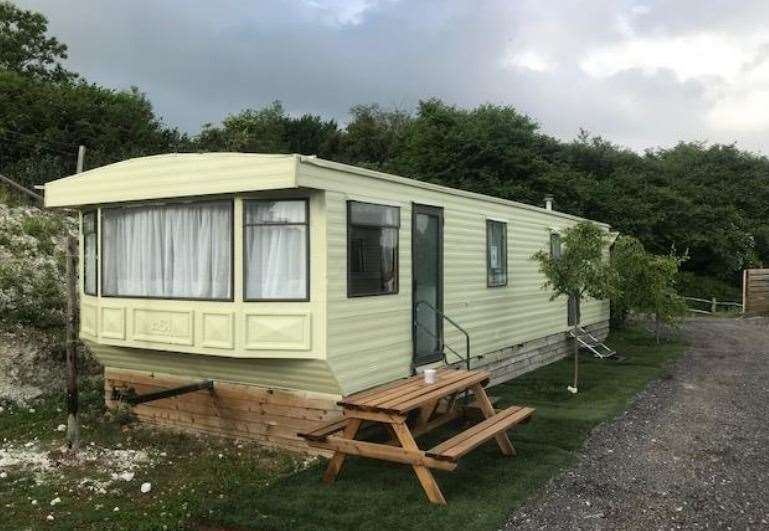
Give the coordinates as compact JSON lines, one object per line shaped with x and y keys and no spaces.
{"x":443,"y":343}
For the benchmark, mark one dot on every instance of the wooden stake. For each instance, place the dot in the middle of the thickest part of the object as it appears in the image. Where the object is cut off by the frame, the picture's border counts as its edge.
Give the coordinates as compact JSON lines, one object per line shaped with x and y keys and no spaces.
{"x":80,"y":158}
{"x":73,"y":425}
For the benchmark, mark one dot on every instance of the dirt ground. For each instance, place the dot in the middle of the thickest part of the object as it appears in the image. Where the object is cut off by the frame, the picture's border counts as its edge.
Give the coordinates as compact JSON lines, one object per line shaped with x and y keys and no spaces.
{"x":691,"y":452}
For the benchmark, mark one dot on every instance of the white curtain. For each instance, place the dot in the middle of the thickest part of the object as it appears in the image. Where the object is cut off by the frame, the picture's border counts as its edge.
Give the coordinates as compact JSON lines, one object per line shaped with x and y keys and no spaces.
{"x":90,"y":264}
{"x":169,"y":251}
{"x":276,"y":250}
{"x":89,"y":252}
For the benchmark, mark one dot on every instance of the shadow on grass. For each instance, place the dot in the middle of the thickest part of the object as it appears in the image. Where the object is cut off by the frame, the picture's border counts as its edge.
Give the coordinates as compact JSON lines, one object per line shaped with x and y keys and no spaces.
{"x":486,"y":487}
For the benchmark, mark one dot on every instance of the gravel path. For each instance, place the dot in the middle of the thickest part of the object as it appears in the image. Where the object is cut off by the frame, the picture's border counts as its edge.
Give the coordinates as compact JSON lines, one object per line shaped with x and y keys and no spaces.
{"x":692,"y":452}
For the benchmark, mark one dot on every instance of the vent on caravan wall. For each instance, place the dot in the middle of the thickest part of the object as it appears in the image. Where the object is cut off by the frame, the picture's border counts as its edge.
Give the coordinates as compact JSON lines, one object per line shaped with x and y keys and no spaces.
{"x":548,"y":202}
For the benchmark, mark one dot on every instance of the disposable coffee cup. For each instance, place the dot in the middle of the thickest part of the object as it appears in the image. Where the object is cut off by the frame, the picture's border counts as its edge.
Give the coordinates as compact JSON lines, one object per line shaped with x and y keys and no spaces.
{"x":429,"y":376}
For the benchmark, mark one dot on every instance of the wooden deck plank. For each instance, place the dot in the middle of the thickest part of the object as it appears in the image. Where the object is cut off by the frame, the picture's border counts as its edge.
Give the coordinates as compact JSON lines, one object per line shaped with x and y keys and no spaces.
{"x":473,"y":437}
{"x":422,"y":388}
{"x":323,"y":430}
{"x":407,"y":386}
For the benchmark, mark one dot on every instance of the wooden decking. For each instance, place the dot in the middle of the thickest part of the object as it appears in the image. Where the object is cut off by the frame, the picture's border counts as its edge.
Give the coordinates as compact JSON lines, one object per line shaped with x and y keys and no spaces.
{"x":407,"y":408}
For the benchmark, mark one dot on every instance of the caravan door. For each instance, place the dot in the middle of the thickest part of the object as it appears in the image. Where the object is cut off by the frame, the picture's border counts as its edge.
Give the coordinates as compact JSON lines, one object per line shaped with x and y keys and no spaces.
{"x":427,"y":283}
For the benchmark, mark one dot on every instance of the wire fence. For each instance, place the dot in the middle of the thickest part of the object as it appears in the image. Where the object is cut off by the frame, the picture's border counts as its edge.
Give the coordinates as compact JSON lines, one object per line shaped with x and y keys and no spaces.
{"x":711,"y":306}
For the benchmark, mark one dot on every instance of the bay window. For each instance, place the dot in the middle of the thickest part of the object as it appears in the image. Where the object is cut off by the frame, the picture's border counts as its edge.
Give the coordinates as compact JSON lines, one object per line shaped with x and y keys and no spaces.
{"x":372,"y":249}
{"x":276,"y":250}
{"x":172,"y":251}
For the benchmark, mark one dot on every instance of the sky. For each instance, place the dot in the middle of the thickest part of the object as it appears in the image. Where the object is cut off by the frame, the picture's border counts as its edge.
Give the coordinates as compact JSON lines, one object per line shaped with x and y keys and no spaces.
{"x":643,"y":74}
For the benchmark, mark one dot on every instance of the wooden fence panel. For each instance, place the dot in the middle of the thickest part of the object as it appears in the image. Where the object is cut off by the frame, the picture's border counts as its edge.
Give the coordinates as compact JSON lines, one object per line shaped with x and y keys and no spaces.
{"x":755,"y":291}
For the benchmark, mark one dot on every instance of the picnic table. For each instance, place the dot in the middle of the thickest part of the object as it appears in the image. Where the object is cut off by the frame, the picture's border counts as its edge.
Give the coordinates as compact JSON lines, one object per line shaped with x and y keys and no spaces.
{"x":408,"y":408}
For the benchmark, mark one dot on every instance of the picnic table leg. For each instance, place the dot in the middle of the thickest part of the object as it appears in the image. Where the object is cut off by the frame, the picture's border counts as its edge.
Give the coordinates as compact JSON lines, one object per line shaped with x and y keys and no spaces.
{"x":336,"y":462}
{"x":423,"y":473}
{"x":505,"y":446}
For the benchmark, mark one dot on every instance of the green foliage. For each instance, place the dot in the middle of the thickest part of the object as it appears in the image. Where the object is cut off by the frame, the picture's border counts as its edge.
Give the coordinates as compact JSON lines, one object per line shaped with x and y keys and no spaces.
{"x":25,"y":48}
{"x":581,"y":269}
{"x":270,"y":130}
{"x":42,"y":123}
{"x":646,"y":283}
{"x":705,"y":287}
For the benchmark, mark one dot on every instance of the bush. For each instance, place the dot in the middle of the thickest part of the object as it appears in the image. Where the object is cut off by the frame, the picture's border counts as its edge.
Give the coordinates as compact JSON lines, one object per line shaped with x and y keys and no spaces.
{"x":646,"y":283}
{"x":704,"y":287}
{"x":32,"y":255}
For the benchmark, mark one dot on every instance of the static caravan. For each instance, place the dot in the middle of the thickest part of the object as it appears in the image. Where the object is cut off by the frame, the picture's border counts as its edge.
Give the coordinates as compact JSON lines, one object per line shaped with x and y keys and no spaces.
{"x":291,"y":281}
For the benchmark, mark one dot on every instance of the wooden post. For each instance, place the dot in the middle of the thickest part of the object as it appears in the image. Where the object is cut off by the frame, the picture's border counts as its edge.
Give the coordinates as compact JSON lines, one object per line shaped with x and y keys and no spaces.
{"x":20,"y":188}
{"x":744,"y":290}
{"x":80,"y":158}
{"x":713,"y":305}
{"x":73,"y":425}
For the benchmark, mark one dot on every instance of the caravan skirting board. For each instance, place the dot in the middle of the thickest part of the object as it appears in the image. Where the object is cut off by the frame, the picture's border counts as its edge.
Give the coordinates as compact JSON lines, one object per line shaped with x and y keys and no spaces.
{"x":273,"y":417}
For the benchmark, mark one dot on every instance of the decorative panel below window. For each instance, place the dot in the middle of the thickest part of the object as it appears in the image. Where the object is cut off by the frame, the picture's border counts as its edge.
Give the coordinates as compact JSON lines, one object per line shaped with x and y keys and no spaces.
{"x":170,"y":251}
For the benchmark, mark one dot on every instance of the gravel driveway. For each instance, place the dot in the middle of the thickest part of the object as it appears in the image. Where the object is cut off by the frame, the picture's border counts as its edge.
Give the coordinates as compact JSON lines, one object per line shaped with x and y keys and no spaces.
{"x":692,"y":452}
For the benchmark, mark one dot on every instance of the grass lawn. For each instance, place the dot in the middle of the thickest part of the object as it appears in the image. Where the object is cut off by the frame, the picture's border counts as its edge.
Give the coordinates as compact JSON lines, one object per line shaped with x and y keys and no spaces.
{"x":210,"y":484}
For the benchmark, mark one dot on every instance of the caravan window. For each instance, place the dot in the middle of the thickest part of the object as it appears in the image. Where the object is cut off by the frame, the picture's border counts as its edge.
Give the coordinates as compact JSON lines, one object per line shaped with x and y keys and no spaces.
{"x":496,"y":253}
{"x":372,"y":249}
{"x":555,"y":246}
{"x":90,"y":239}
{"x":168,"y":251}
{"x":276,"y":250}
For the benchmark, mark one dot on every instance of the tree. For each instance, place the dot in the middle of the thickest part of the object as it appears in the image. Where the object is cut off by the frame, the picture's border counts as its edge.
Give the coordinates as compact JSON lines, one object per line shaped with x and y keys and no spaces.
{"x":25,"y":48}
{"x":646,"y":284}
{"x":42,"y":124}
{"x":580,"y":270}
{"x":373,"y":136}
{"x":271,"y":130}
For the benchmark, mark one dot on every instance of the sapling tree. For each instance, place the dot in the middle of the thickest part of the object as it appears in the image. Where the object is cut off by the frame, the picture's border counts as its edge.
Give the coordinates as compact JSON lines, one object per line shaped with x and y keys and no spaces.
{"x":581,"y":270}
{"x":646,"y":283}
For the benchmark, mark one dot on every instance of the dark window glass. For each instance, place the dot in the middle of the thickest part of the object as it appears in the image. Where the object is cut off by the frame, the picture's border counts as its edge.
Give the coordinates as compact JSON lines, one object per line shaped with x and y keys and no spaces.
{"x":555,"y":246}
{"x":372,"y":249}
{"x":496,"y":253}
{"x":276,"y":250}
{"x":90,"y":239}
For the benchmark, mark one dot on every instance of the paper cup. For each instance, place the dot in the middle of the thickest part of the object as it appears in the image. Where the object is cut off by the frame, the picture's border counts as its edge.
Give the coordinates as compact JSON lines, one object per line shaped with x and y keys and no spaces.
{"x":429,"y":376}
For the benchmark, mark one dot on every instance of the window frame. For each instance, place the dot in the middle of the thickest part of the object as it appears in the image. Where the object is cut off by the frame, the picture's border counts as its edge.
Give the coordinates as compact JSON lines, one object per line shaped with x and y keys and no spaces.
{"x":97,"y":270}
{"x":396,"y":264}
{"x":231,"y":298}
{"x":245,"y":225}
{"x":489,"y":223}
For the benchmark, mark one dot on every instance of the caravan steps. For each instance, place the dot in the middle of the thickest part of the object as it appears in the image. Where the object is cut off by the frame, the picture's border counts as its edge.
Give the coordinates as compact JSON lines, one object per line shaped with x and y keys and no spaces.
{"x":591,"y":343}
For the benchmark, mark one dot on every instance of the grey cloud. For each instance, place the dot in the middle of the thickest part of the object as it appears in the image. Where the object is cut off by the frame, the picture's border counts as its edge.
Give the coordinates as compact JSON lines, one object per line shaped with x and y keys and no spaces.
{"x":199,"y":61}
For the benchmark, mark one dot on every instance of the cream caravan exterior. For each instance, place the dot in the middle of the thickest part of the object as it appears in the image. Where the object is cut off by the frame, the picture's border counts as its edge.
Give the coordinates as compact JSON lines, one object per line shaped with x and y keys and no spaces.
{"x":292,"y":274}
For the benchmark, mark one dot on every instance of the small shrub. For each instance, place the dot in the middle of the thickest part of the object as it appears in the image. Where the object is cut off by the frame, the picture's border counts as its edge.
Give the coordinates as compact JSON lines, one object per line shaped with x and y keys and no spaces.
{"x":32,"y":254}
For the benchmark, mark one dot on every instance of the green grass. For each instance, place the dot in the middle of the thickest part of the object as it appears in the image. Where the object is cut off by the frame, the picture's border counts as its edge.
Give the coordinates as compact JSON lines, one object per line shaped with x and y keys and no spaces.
{"x":486,"y":487}
{"x":250,"y":488}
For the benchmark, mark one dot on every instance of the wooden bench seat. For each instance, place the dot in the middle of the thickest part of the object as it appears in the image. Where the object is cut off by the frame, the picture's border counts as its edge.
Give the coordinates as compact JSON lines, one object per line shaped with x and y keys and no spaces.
{"x":322,"y":431}
{"x":462,"y":443}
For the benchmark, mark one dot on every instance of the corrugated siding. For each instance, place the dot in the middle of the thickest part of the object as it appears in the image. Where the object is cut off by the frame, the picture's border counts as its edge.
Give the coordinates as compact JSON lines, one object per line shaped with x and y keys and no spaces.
{"x":307,"y":375}
{"x":175,"y":175}
{"x":369,"y":338}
